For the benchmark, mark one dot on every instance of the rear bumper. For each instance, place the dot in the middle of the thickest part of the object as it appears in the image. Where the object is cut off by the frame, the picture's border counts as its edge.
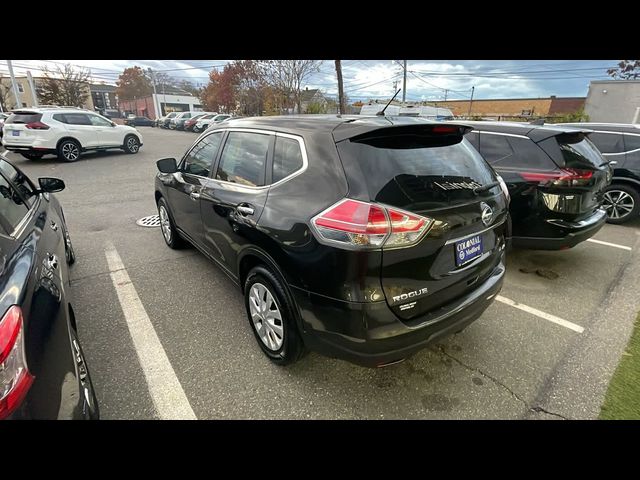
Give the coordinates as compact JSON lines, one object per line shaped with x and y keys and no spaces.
{"x":371,"y":335}
{"x":569,"y":233}
{"x":29,"y":149}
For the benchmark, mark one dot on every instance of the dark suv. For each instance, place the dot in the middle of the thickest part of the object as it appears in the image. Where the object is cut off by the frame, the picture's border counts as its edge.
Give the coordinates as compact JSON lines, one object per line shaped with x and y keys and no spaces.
{"x":43,"y":373}
{"x":620,"y":144}
{"x":556,"y":178}
{"x":361,"y":238}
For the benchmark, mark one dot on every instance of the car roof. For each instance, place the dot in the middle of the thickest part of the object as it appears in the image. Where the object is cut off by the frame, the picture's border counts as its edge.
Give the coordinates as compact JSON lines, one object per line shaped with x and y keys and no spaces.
{"x":342,"y":126}
{"x":52,"y":110}
{"x":609,"y":127}
{"x":535,"y":132}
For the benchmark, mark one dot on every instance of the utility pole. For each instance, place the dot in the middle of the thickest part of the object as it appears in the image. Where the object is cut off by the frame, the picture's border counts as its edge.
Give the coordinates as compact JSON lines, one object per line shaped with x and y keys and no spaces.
{"x":445,"y":94}
{"x":340,"y":88}
{"x":156,"y":103}
{"x":33,"y":89}
{"x":404,"y":82}
{"x":16,"y":92}
{"x":471,"y":102}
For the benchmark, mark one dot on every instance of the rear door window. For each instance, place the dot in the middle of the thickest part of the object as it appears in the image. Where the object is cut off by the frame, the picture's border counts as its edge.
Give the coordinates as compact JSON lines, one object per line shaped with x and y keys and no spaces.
{"x":77,"y":119}
{"x":244,"y":158}
{"x":608,"y":142}
{"x":418,"y":171}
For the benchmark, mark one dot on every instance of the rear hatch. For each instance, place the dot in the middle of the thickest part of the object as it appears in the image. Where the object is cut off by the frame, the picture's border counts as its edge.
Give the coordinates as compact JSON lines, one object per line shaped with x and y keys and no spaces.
{"x":431,"y":171}
{"x":22,"y":127}
{"x":576,"y":190}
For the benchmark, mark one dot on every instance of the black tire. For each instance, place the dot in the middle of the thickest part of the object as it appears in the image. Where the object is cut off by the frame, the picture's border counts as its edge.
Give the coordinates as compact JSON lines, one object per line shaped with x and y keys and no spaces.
{"x":69,"y":150}
{"x":131,"y":144}
{"x":196,"y":130}
{"x":173,"y":239}
{"x":628,"y":197}
{"x":292,"y":347}
{"x":69,"y":252}
{"x":32,"y":156}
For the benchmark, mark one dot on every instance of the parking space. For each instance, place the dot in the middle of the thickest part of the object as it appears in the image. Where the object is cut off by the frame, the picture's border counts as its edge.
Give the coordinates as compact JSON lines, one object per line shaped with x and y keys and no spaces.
{"x":516,"y":361}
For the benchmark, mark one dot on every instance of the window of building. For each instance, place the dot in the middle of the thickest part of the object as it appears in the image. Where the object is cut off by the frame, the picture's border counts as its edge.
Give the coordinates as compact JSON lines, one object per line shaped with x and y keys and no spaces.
{"x":20,"y":88}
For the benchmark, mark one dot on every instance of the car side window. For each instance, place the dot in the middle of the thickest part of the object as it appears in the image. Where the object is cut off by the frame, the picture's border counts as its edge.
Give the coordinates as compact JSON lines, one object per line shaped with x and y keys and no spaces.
{"x":12,"y":208}
{"x":99,"y":122}
{"x":244,"y":158}
{"x":631,"y":142}
{"x":201,"y":157}
{"x":608,"y":142}
{"x":287,"y":158}
{"x":22,"y":183}
{"x":60,"y":117}
{"x":77,"y":119}
{"x":495,"y":148}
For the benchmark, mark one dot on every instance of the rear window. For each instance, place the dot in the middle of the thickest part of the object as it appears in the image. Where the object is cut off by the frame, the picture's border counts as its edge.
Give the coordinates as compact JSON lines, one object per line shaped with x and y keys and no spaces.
{"x":418,"y":171}
{"x":23,"y":117}
{"x":574,"y":150}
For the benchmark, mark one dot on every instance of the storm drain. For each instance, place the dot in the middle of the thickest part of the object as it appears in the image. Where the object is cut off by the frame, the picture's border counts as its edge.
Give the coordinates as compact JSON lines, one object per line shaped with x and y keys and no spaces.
{"x":150,"y":221}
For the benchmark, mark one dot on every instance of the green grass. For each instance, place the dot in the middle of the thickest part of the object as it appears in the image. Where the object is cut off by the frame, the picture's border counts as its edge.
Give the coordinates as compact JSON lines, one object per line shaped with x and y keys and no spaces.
{"x":622,"y":401}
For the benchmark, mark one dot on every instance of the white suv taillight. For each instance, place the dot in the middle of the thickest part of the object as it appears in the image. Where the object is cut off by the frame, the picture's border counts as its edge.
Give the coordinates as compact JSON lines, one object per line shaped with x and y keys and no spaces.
{"x":355,"y":224}
{"x":15,"y":378}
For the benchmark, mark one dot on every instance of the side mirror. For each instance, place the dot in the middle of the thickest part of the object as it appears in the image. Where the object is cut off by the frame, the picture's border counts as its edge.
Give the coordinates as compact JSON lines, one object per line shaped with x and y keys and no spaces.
{"x":167,"y":165}
{"x":50,"y":184}
{"x":114,"y":124}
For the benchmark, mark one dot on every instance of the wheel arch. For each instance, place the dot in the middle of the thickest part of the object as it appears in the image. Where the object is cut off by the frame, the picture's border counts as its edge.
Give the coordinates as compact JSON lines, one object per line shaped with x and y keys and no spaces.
{"x":626,"y":181}
{"x":67,"y":137}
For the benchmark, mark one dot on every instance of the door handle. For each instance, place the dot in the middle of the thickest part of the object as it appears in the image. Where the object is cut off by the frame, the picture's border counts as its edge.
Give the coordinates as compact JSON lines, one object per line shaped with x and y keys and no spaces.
{"x":245,"y":209}
{"x":195,"y":196}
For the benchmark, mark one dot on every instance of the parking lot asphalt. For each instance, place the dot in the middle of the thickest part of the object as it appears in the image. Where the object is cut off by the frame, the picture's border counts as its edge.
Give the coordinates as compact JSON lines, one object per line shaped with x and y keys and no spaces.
{"x":546,"y":350}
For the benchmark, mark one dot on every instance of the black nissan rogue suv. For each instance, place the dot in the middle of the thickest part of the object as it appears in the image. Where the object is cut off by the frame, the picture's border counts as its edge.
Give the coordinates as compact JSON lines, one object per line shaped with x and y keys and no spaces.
{"x":556,"y":178}
{"x":363,"y":238}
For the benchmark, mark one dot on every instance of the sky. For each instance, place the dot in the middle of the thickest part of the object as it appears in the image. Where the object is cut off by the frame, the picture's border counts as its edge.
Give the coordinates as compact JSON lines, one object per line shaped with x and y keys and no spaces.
{"x":427,"y":80}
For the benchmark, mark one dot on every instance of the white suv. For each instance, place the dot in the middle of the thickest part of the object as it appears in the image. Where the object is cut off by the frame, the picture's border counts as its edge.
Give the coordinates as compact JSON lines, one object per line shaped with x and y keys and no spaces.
{"x":66,"y":132}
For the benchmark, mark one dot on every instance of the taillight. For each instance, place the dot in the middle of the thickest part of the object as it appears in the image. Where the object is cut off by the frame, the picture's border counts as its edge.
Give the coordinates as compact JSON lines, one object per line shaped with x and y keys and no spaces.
{"x":503,"y":187}
{"x":356,"y":224}
{"x":565,"y":177}
{"x":37,"y":126}
{"x":15,"y":378}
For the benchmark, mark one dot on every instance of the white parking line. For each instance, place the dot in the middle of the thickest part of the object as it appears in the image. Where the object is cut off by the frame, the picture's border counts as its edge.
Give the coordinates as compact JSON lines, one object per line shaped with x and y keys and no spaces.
{"x":165,"y":389}
{"x":623,"y":247}
{"x":541,"y":314}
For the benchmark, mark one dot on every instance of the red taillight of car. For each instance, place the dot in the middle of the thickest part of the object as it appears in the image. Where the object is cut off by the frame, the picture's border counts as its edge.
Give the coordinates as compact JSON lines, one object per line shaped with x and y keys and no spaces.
{"x":445,"y":129}
{"x":566,"y":177}
{"x":356,"y":224}
{"x":15,"y":379}
{"x":37,"y":126}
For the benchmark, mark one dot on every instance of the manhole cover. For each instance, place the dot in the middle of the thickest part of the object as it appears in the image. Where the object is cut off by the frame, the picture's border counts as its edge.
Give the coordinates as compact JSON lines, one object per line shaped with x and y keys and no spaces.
{"x":150,"y":221}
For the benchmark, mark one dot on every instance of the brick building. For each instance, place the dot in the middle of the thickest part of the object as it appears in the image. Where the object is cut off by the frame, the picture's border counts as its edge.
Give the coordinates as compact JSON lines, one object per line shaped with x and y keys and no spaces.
{"x":516,"y":107}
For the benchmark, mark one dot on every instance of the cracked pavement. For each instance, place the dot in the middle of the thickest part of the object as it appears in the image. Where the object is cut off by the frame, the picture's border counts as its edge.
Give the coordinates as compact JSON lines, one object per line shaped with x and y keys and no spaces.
{"x":507,"y":365}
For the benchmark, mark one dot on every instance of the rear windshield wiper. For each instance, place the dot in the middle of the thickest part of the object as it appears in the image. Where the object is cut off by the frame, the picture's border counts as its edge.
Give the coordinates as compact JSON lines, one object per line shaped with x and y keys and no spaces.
{"x":486,"y":187}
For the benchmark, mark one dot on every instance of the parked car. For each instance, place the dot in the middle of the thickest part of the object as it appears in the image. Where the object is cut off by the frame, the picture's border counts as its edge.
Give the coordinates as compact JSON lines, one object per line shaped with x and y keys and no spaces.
{"x":203,"y":122}
{"x":177,"y":122}
{"x":3,"y":117}
{"x":191,"y":123}
{"x":217,"y":119}
{"x":43,"y":370}
{"x":163,"y":122}
{"x":361,"y":238}
{"x":619,"y":143}
{"x":140,"y":122}
{"x":35,"y":132}
{"x":556,"y":178}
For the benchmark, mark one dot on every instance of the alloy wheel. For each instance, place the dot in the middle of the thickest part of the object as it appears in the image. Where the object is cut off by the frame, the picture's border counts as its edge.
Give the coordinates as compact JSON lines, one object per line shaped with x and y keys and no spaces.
{"x":266,"y":317}
{"x":165,"y":224}
{"x":132,"y":144}
{"x":70,"y":151}
{"x":618,"y":204}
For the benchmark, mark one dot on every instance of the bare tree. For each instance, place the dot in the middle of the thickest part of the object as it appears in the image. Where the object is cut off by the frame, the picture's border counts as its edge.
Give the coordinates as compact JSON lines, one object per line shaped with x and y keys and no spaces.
{"x":65,"y":86}
{"x":5,"y":92}
{"x":288,"y":76}
{"x":626,"y":70}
